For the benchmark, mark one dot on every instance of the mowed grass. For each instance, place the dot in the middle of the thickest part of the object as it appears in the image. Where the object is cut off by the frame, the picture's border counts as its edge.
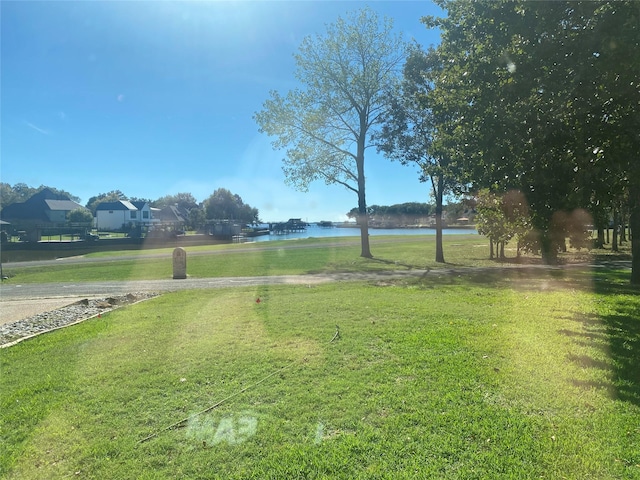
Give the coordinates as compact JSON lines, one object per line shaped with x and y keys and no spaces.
{"x":269,"y":258}
{"x":458,"y":377}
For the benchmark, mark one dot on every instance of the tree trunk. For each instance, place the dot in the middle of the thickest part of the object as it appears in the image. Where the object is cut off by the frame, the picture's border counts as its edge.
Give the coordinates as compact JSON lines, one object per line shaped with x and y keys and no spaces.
{"x":600,"y":238}
{"x":548,"y":248}
{"x":502,"y":250}
{"x":363,"y":217}
{"x":634,"y":225}
{"x":614,"y":240}
{"x":365,"y":250}
{"x":439,"y":196}
{"x":490,"y":248}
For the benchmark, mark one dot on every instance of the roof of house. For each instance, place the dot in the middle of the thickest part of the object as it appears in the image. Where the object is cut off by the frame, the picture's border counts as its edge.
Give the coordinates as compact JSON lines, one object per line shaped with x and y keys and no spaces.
{"x":35,"y":208}
{"x":139,"y":204}
{"x":172,"y":213}
{"x":66,"y":205}
{"x":118,"y":205}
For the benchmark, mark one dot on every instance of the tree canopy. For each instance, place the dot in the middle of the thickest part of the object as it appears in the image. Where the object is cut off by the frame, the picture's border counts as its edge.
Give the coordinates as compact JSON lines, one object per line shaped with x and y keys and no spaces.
{"x":80,"y":215}
{"x":409,"y":130}
{"x":184,"y":200}
{"x":224,"y":205}
{"x":112,"y":196}
{"x":400,"y":214}
{"x":542,"y":97}
{"x":325,"y":126}
{"x":21,"y":192}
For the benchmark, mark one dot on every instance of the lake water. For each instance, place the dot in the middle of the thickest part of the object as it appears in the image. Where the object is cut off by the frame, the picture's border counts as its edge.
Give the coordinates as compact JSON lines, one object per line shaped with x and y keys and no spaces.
{"x":314,"y":231}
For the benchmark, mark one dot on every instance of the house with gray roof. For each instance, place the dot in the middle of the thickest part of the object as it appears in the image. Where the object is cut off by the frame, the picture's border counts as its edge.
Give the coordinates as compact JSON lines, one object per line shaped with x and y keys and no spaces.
{"x":145,"y":215}
{"x":44,"y":210}
{"x":173,"y":215}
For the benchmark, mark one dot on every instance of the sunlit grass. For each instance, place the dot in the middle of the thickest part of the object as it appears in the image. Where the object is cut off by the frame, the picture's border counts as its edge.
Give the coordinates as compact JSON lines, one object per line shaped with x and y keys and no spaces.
{"x":521,"y":376}
{"x":272,"y":258}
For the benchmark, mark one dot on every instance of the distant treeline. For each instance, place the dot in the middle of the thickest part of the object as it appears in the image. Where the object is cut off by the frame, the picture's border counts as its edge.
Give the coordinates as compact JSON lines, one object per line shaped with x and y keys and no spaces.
{"x":410,"y":213}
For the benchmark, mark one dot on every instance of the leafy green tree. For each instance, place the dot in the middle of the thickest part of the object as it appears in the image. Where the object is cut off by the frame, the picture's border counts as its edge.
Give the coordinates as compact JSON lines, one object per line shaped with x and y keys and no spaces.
{"x":141,"y":199}
{"x":409,"y":128}
{"x":80,"y":215}
{"x":326,"y":127}
{"x":224,"y":205}
{"x":501,"y":218}
{"x":542,"y":97}
{"x":112,"y":196}
{"x":183,"y":200}
{"x":197,"y":217}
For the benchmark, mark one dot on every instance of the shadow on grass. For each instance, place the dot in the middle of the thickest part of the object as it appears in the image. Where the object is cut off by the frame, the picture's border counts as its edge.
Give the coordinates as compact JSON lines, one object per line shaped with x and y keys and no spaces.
{"x":616,"y":331}
{"x":623,"y":329}
{"x":614,"y":328}
{"x":396,"y":263}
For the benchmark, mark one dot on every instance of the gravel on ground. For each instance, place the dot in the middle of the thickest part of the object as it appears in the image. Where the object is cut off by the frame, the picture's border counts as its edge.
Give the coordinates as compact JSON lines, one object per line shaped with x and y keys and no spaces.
{"x":45,"y":321}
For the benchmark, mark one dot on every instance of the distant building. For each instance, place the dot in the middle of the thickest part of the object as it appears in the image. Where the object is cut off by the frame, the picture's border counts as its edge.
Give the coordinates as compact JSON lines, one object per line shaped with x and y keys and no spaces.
{"x":145,"y":215}
{"x":173,"y":215}
{"x":120,"y":215}
{"x":44,"y":210}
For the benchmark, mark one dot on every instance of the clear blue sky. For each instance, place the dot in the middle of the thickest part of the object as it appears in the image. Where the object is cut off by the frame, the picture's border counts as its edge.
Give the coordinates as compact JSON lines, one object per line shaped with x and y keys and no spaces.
{"x":155,"y":98}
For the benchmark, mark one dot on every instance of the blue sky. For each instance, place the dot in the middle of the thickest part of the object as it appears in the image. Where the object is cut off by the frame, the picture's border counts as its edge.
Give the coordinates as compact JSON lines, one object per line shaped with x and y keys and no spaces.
{"x":156,"y":97}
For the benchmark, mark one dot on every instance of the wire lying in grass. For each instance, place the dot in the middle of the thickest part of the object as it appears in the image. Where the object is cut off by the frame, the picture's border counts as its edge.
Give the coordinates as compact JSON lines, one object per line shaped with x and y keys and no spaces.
{"x":184,"y":421}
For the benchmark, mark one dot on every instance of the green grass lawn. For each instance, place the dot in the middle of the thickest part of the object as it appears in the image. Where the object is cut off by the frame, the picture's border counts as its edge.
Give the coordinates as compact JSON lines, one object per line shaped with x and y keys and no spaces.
{"x":465,"y":376}
{"x":271,"y":258}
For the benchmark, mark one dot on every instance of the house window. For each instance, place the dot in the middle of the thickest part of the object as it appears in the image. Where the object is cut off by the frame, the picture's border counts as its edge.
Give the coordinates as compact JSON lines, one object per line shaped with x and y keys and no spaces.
{"x":134,"y":215}
{"x":145,"y":214}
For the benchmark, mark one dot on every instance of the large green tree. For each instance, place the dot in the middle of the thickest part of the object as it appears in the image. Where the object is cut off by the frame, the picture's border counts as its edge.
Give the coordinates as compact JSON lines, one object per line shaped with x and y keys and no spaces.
{"x":409,"y":129}
{"x":183,"y":200}
{"x":543,"y":97}
{"x":326,"y":124}
{"x":80,"y":215}
{"x":224,"y":205}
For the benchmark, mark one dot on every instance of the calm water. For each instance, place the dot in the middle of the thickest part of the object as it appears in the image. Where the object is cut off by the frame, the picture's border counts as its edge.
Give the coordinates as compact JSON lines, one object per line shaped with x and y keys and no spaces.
{"x":316,"y":231}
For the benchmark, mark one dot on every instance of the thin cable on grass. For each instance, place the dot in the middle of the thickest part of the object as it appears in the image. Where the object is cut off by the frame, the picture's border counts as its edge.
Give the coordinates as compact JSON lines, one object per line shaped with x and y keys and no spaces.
{"x":184,"y":421}
{"x":336,"y":335}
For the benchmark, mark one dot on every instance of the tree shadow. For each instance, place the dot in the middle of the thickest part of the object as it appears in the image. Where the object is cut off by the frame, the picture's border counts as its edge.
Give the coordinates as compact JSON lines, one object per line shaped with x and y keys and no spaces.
{"x":396,"y":263}
{"x":623,"y":331}
{"x":613,"y":330}
{"x":585,"y":361}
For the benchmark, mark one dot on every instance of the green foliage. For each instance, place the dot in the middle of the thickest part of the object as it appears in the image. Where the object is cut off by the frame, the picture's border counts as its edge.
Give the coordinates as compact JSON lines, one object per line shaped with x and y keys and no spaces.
{"x":541,"y":97}
{"x":326,"y":126}
{"x":197,"y":217}
{"x":502,"y":217}
{"x":112,"y":196}
{"x":409,"y":213}
{"x":224,"y":205}
{"x":80,"y":215}
{"x":21,"y":192}
{"x":184,"y":200}
{"x":409,"y":132}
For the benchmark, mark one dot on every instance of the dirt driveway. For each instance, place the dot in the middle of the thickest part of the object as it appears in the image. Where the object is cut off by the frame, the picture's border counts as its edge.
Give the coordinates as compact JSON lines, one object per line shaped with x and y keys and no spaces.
{"x":23,"y":301}
{"x":18,"y":309}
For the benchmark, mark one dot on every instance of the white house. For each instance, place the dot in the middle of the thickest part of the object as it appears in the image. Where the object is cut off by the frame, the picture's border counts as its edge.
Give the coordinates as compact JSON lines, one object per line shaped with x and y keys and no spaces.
{"x":145,"y":213}
{"x":120,"y":215}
